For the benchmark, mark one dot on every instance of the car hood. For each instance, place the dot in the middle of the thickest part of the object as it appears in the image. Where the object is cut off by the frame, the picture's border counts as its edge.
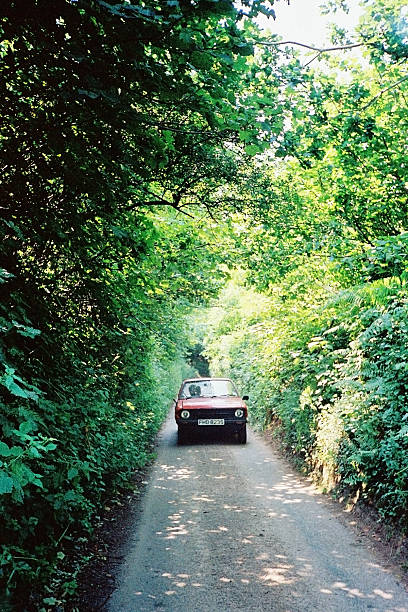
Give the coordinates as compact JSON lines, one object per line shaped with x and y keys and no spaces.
{"x":212,"y":402}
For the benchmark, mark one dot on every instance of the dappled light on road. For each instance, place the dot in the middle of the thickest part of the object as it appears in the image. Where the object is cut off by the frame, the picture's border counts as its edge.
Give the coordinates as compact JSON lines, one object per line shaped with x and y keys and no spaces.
{"x":227,"y":527}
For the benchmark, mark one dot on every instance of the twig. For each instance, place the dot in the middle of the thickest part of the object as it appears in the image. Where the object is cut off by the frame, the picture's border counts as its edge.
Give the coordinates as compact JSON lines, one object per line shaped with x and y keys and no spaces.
{"x":312,"y":60}
{"x":311,"y":47}
{"x":63,"y":533}
{"x":160,"y":202}
{"x":404,"y":78}
{"x":208,"y":209}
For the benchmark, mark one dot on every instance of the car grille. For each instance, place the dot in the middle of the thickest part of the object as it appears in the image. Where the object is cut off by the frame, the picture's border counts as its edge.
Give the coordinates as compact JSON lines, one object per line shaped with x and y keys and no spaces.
{"x":211,"y":413}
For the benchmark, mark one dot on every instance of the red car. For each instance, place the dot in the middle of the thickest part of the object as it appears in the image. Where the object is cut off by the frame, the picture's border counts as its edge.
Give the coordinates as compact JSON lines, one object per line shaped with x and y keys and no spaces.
{"x":203,"y":403}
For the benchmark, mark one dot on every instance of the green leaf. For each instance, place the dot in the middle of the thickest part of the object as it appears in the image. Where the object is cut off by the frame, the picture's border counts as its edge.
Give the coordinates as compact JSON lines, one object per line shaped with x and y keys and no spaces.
{"x":70,"y":496}
{"x":252,"y":149}
{"x":6,"y":483}
{"x":8,"y":380}
{"x":24,"y":330}
{"x":34,"y":452}
{"x":50,"y":446}
{"x":4,"y":450}
{"x":72,"y":472}
{"x":25,"y":428}
{"x":50,"y":601}
{"x":5,"y":276}
{"x":245,"y":135}
{"x":245,"y":49}
{"x":14,"y":451}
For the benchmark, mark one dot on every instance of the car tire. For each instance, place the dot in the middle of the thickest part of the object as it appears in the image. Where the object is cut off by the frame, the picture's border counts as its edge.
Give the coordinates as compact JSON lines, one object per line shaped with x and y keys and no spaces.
{"x":182,"y":436}
{"x":242,"y":435}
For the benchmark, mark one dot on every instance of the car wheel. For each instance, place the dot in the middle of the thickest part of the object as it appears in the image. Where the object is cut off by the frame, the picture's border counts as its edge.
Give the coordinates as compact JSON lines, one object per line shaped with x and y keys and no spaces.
{"x":242,"y":435}
{"x":182,"y":436}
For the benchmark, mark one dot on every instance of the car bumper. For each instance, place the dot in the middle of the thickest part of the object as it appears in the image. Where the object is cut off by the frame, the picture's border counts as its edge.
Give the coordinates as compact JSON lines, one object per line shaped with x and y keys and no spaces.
{"x":195,"y":423}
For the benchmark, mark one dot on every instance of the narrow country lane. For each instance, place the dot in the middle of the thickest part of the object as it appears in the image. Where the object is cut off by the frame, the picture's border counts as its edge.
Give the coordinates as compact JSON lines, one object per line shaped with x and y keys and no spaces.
{"x":228,"y":527}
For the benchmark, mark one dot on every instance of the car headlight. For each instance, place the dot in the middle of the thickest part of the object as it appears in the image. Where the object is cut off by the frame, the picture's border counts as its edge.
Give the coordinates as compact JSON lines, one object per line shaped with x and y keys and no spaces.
{"x":239,"y":413}
{"x":185,"y":414}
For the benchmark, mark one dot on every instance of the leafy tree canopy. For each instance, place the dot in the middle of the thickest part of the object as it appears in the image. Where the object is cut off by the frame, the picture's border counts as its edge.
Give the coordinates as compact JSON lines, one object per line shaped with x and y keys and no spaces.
{"x":150,"y":150}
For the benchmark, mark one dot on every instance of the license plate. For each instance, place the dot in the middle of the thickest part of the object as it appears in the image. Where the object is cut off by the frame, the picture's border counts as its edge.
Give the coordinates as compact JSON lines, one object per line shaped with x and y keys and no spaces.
{"x":211,"y":421}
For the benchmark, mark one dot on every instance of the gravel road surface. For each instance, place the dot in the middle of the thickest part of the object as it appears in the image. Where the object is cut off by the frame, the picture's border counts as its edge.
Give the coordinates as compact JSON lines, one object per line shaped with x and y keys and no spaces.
{"x":225,"y":526}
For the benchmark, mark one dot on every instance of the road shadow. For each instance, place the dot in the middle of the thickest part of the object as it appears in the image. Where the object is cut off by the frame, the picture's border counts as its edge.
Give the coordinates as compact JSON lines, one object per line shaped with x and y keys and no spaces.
{"x":209,"y":437}
{"x":226,"y":530}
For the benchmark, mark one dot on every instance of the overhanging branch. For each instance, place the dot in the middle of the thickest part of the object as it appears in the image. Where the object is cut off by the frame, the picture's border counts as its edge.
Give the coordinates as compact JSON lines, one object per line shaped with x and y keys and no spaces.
{"x":311,"y":47}
{"x":141,"y":203}
{"x":319,"y":51}
{"x":383,"y":91}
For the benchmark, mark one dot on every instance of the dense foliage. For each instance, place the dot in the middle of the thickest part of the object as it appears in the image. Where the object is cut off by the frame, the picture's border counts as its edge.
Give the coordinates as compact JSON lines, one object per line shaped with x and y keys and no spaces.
{"x":324,"y":355}
{"x":328,"y":372}
{"x":114,"y":118}
{"x":150,"y":152}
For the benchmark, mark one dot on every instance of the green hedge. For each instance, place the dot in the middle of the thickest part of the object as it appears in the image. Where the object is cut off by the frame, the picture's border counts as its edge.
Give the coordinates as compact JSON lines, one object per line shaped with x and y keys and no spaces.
{"x":59,"y":464}
{"x":332,"y":373}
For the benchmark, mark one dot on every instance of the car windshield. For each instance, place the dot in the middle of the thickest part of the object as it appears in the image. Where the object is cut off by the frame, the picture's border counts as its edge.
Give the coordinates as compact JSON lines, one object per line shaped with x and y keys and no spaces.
{"x":208,"y":388}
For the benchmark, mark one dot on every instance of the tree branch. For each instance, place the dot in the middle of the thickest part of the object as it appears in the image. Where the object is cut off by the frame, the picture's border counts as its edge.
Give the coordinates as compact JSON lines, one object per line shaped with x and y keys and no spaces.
{"x":318,"y":50}
{"x":312,"y":60}
{"x":383,"y":91}
{"x":311,"y":47}
{"x":159,"y":202}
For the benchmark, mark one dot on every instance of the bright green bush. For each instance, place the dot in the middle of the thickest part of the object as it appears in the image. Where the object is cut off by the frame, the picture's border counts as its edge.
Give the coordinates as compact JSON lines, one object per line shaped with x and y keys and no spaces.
{"x":331,"y":374}
{"x":60,"y":464}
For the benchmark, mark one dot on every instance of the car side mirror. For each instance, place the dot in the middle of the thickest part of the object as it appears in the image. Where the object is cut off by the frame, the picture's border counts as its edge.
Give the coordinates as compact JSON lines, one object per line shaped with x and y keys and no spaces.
{"x":245,"y":397}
